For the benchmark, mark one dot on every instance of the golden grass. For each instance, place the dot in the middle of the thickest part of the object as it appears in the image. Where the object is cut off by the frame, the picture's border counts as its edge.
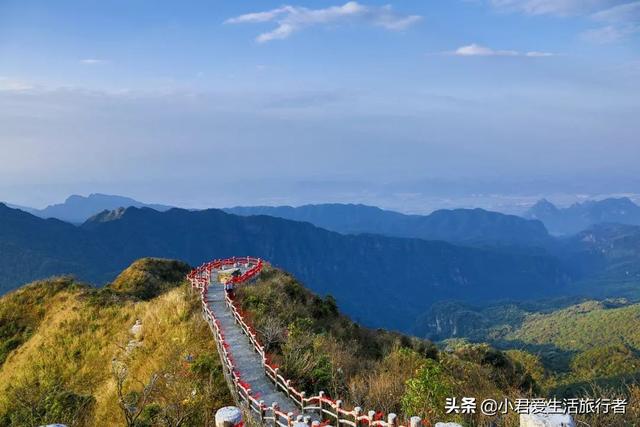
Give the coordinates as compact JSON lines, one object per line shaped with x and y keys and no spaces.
{"x":79,"y":340}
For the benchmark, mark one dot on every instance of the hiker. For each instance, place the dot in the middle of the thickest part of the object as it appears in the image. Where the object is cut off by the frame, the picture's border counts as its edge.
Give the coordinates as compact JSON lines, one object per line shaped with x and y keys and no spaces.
{"x":228,"y":287}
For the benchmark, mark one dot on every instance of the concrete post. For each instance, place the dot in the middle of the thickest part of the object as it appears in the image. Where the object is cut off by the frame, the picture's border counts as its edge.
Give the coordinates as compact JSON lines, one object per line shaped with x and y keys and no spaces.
{"x":303,"y":396}
{"x":290,"y":419}
{"x":229,"y":416}
{"x":416,"y":422}
{"x":320,"y":396}
{"x":262,"y":411}
{"x":392,"y":419}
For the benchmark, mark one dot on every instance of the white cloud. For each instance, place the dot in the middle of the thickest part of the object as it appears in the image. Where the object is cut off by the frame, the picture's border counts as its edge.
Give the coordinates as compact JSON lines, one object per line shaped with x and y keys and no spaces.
{"x":478,"y":50}
{"x":628,"y":12}
{"x":619,"y":18}
{"x":9,"y":84}
{"x":608,"y":34}
{"x":553,"y":7}
{"x":619,"y":22}
{"x":290,"y":19}
{"x":93,"y":61}
{"x":535,"y":54}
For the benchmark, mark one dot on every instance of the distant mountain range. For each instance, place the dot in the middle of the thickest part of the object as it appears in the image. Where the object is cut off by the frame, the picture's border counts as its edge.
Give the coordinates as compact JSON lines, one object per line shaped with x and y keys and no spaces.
{"x":607,"y":256}
{"x":460,"y":226}
{"x":77,"y":209}
{"x":580,"y":216}
{"x":476,"y":227}
{"x":381,"y":281}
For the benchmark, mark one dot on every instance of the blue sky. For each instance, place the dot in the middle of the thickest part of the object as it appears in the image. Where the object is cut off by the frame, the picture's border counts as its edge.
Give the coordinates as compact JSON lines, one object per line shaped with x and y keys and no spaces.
{"x":409,"y":105}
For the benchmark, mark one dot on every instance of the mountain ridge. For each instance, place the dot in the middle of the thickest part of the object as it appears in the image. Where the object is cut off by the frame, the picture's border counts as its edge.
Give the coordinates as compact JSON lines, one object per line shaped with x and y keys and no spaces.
{"x":397,"y":275}
{"x":77,"y":209}
{"x":580,"y":216}
{"x":460,"y":226}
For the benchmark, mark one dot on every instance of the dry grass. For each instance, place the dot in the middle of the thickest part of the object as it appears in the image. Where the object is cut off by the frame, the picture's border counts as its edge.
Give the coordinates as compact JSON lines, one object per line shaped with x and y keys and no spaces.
{"x":76,"y":341}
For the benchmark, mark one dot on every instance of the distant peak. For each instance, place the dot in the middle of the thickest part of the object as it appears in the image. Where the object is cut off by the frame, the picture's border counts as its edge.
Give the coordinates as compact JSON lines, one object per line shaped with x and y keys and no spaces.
{"x":621,"y":201}
{"x":74,"y":197}
{"x":542,"y":207}
{"x":544,"y":202}
{"x":108,"y":215}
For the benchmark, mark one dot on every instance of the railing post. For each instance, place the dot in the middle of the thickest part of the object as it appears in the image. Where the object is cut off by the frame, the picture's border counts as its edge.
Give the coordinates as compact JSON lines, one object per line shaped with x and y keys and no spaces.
{"x":356,"y":413}
{"x":275,"y":377}
{"x":415,"y":422}
{"x":262,"y":411}
{"x":228,"y":416}
{"x":337,"y":408}
{"x":320,"y":396}
{"x":302,"y":396}
{"x":290,"y":419}
{"x":274,"y":410}
{"x":372,"y":416}
{"x":392,"y":420}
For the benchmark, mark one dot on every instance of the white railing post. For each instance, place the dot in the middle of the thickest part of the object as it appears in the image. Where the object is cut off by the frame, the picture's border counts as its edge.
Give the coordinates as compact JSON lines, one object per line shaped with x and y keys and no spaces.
{"x":274,"y":410}
{"x":392,"y":419}
{"x":320,"y":396}
{"x":337,"y":408}
{"x":416,"y":422}
{"x":228,"y":416}
{"x":356,"y":413}
{"x":372,"y":416}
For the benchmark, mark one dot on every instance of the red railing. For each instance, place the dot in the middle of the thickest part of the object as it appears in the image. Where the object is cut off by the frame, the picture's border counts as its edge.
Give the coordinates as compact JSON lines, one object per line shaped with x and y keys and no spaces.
{"x":321,"y":404}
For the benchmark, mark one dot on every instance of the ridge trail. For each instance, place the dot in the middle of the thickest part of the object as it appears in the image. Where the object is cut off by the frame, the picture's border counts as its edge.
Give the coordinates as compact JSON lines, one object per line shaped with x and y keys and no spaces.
{"x":247,"y":361}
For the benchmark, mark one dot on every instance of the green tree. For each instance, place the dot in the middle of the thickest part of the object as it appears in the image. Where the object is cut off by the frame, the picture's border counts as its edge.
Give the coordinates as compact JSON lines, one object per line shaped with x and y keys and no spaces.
{"x":425,"y":394}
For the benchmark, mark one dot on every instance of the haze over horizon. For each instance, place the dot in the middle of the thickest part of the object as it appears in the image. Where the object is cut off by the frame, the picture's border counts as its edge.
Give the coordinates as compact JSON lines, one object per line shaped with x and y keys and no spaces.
{"x":410,"y":106}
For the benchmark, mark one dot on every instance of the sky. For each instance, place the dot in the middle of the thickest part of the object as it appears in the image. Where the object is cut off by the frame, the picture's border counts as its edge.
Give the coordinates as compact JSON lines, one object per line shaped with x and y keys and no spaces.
{"x":410,"y":105}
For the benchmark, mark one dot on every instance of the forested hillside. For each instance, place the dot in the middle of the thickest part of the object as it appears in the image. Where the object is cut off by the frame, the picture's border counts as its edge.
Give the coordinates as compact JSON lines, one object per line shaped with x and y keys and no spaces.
{"x":463,"y":226}
{"x":320,"y":349}
{"x":399,"y":278}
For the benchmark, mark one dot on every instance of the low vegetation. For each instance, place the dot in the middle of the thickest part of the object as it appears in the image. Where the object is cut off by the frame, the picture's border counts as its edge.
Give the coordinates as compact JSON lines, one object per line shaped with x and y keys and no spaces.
{"x":137,"y":353}
{"x":319,"y":349}
{"x":70,"y":354}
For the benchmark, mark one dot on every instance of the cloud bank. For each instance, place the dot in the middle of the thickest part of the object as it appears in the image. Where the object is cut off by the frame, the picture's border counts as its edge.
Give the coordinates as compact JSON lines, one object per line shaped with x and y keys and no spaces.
{"x":291,"y":19}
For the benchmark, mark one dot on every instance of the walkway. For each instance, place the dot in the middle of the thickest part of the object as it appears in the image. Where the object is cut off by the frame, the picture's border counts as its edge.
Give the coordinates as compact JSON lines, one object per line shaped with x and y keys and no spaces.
{"x":247,"y":361}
